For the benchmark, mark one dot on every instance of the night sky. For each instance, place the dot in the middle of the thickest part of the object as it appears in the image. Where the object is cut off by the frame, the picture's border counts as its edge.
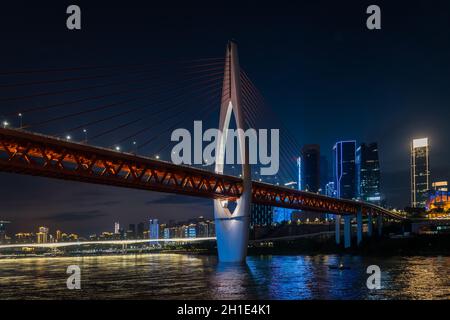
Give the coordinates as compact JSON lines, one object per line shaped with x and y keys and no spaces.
{"x":328,"y":77}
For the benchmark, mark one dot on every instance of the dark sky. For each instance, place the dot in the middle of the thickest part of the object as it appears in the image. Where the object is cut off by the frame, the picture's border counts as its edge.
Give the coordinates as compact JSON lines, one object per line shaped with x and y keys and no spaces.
{"x":327,"y":75}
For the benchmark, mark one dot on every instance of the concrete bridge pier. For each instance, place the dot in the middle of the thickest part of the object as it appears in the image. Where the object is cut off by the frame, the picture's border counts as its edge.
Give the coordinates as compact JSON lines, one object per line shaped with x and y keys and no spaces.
{"x":380,"y":224}
{"x":347,"y":231}
{"x":337,"y":221}
{"x":359,"y":227}
{"x":369,"y":224}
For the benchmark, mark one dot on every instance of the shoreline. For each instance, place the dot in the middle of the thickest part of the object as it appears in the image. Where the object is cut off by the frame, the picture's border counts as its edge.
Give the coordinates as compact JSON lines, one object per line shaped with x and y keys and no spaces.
{"x":424,"y":245}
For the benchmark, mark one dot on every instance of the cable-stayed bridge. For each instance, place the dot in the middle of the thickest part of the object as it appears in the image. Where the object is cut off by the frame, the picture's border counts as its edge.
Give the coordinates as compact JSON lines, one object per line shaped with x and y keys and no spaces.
{"x":169,"y":101}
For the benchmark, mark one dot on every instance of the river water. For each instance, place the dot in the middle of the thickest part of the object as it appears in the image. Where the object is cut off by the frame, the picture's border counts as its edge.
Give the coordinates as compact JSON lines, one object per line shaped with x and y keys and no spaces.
{"x":180,"y":276}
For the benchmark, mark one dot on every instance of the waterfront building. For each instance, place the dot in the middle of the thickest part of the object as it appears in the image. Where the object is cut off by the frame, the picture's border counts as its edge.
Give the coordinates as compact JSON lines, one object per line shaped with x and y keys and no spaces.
{"x":281,"y":215}
{"x":309,"y":168}
{"x":131,"y":232}
{"x":116,"y":228}
{"x":344,"y":169}
{"x":42,"y":235}
{"x":368,"y":173}
{"x":154,"y":229}
{"x":3,"y":230}
{"x":420,"y":172}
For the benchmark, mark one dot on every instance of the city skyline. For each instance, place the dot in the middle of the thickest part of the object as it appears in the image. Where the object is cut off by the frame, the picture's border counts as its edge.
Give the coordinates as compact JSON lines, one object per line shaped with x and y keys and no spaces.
{"x":337,"y":84}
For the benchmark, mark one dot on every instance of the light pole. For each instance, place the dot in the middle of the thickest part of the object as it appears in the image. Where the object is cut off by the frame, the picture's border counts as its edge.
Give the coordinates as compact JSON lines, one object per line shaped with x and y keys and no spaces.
{"x":20,"y":115}
{"x":85,"y":135}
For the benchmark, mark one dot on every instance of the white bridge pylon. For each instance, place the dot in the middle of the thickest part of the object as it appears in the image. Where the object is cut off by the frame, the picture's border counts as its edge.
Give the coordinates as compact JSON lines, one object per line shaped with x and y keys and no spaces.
{"x":232,"y":227}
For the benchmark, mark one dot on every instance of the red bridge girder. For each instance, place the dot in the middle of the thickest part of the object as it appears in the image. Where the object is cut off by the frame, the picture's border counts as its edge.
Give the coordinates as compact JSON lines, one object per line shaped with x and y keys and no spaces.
{"x":40,"y":155}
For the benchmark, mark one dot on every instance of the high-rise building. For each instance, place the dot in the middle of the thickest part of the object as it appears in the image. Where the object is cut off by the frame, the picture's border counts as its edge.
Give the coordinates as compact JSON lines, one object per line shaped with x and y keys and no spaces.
{"x":330,"y":190}
{"x":309,"y":168}
{"x":58,"y":235}
{"x":261,"y":215}
{"x":153,"y":229}
{"x":420,"y":172}
{"x":3,"y":230}
{"x":116,"y":228}
{"x":140,"y":230}
{"x":42,"y":235}
{"x":131,"y":232}
{"x":344,"y":169}
{"x":368,"y":173}
{"x":440,"y":186}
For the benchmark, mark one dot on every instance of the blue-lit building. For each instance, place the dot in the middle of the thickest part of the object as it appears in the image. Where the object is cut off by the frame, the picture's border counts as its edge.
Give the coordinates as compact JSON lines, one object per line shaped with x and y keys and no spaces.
{"x":344,"y":169}
{"x":153,"y":229}
{"x":368,"y":173}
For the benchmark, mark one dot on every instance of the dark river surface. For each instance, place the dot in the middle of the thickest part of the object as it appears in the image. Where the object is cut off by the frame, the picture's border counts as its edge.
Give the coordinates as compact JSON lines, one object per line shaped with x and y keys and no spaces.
{"x":180,"y":276}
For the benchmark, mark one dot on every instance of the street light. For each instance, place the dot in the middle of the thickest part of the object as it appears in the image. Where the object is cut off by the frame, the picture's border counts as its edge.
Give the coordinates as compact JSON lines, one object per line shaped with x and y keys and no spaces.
{"x":117,"y":148}
{"x":157,"y":157}
{"x":5,"y":124}
{"x":85,"y":135}
{"x":68,"y":137}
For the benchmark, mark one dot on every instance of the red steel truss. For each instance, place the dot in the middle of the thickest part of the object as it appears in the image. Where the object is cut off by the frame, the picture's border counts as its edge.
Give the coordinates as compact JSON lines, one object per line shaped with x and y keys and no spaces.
{"x":40,"y":155}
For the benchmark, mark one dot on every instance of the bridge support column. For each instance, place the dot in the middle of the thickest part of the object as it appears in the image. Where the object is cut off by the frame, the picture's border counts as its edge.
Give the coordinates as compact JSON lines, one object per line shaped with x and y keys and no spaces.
{"x":380,"y":224}
{"x":347,"y":231}
{"x":232,"y":227}
{"x":369,"y":224}
{"x":359,"y":225}
{"x":337,"y":221}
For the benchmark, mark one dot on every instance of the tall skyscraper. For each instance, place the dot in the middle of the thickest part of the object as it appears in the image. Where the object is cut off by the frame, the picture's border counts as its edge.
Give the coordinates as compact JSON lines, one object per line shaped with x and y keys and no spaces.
{"x":261,"y":215}
{"x":309,"y":168}
{"x":420,"y":172}
{"x":344,"y":169}
{"x":116,"y":228}
{"x":154,"y":229}
{"x":368,"y":173}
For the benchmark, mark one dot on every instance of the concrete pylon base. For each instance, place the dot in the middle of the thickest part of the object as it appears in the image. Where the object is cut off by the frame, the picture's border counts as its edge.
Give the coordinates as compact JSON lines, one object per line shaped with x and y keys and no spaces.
{"x":232,"y":232}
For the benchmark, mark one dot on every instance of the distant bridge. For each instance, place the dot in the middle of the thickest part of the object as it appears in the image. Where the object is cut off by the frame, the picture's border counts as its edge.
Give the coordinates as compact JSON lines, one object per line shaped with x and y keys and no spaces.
{"x":106,"y":242}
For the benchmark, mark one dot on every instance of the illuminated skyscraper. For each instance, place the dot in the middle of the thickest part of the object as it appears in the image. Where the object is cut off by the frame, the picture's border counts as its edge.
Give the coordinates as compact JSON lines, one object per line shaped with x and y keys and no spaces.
{"x":154,"y":229}
{"x":344,"y":169}
{"x":420,"y":172}
{"x":368,"y":173}
{"x":309,"y":167}
{"x":3,"y":230}
{"x":116,"y":228}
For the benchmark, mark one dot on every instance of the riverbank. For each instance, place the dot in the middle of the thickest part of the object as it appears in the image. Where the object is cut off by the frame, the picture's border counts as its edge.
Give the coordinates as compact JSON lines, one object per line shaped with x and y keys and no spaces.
{"x":422,"y":245}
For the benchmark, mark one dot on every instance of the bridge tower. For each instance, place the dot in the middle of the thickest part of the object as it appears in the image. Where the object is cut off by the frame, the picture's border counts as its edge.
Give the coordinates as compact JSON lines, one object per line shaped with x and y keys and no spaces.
{"x":232,"y":226}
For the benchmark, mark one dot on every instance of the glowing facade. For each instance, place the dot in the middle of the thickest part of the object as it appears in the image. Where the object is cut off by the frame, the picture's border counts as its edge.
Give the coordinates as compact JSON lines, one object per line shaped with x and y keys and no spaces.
{"x":420,"y":172}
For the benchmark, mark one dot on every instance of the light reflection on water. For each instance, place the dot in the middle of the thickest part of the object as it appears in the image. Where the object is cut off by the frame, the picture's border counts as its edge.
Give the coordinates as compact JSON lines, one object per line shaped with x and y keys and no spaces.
{"x":176,"y":276}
